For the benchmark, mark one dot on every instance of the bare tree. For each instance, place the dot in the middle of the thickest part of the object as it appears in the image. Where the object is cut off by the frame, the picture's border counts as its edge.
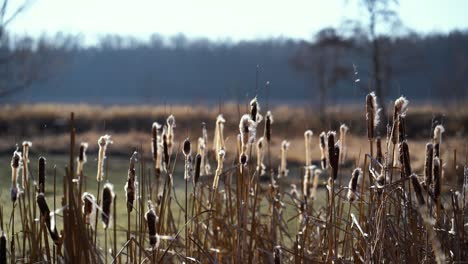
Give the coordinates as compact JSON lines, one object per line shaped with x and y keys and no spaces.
{"x":322,"y":61}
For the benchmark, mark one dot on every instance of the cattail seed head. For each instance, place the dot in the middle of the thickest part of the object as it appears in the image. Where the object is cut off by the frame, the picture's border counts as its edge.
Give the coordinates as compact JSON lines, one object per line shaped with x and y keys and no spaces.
{"x":151,"y":220}
{"x":260,"y":156}
{"x":372,"y":114}
{"x":187,"y":149}
{"x":333,"y":153}
{"x":130,"y":186}
{"x":89,"y":207}
{"x":154,"y":139}
{"x":24,"y":179}
{"x":357,"y":173}
{"x":438,"y":130}
{"x":82,"y":159}
{"x":171,"y":124}
{"x":323,"y":147}
{"x":405,"y":159}
{"x":428,"y":164}
{"x":283,"y":170}
{"x":166,"y":152}
{"x":401,"y":107}
{"x":436,"y":190}
{"x":15,"y":165}
{"x":219,"y":134}
{"x":45,"y":214}
{"x":277,"y":254}
{"x":379,"y":156}
{"x":3,"y":249}
{"x":268,"y":123}
{"x":219,"y":169}
{"x":198,"y":161}
{"x":107,"y":199}
{"x":343,"y":132}
{"x":247,"y":129}
{"x":254,"y":109}
{"x":41,"y":174}
{"x":103,"y":142}
{"x":308,"y":145}
{"x":417,"y":189}
{"x":401,"y":128}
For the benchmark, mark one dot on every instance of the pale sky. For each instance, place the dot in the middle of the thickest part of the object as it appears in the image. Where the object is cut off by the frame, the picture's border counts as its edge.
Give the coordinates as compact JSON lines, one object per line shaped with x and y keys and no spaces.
{"x":220,"y":19}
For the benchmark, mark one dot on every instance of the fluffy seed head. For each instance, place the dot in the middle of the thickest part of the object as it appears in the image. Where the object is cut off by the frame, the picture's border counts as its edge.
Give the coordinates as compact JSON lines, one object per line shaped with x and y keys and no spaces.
{"x":268,"y":123}
{"x":401,"y":107}
{"x":323,"y":147}
{"x":41,"y":174}
{"x":372,"y":114}
{"x":89,"y":207}
{"x":154,"y":139}
{"x":417,"y":189}
{"x":436,"y":190}
{"x":103,"y":142}
{"x":198,"y":159}
{"x":151,"y":220}
{"x":428,"y":164}
{"x":130,"y":186}
{"x":187,"y":149}
{"x":107,"y":199}
{"x":357,"y":173}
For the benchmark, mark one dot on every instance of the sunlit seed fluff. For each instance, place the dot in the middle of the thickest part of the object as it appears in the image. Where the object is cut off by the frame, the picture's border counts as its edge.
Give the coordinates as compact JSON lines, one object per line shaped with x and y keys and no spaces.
{"x":343,"y":142}
{"x":437,"y":181}
{"x":417,"y":189}
{"x":15,"y":165}
{"x":41,"y":174}
{"x":130,"y":186}
{"x":247,"y":130}
{"x":323,"y":147}
{"x":316,"y":175}
{"x":171,"y":124}
{"x":428,"y":164}
{"x":400,"y":109}
{"x":308,"y":146}
{"x":260,"y":156}
{"x":45,"y":214}
{"x":405,"y":159}
{"x":151,"y":221}
{"x":25,"y":178}
{"x":202,"y":150}
{"x":438,"y":130}
{"x":268,"y":123}
{"x":107,"y":199}
{"x":372,"y":114}
{"x":283,"y":170}
{"x":89,"y":207}
{"x":353,"y":183}
{"x":307,"y":182}
{"x":219,"y":134}
{"x":82,"y":159}
{"x":155,"y":128}
{"x":103,"y":142}
{"x":219,"y":169}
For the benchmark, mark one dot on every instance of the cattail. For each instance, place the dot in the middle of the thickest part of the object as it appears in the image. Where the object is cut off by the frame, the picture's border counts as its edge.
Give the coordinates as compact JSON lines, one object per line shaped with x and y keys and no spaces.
{"x":400,"y":109}
{"x":198,"y":161}
{"x":343,"y":132}
{"x":151,"y":220}
{"x":130,"y":186}
{"x":187,"y":150}
{"x":45,"y":214}
{"x":171,"y":124}
{"x":155,"y":138}
{"x":323,"y":146}
{"x":372,"y":114}
{"x":166,"y":152}
{"x":219,"y":134}
{"x":260,"y":156}
{"x":333,"y":154}
{"x":438,"y":130}
{"x":202,"y":145}
{"x":405,"y":159}
{"x":41,"y":174}
{"x":15,"y":165}
{"x":219,"y":169}
{"x":277,"y":254}
{"x":436,"y":189}
{"x":307,"y":183}
{"x":379,"y":150}
{"x":268,"y":123}
{"x":89,"y":207}
{"x":247,"y":129}
{"x":428,"y":164}
{"x":3,"y":249}
{"x":316,"y":174}
{"x":401,"y":129}
{"x":26,"y":146}
{"x":82,"y":159}
{"x":353,"y":183}
{"x":102,"y":142}
{"x":283,"y":170}
{"x":308,"y":145}
{"x":107,"y":199}
{"x":417,"y":189}
{"x":254,"y":109}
